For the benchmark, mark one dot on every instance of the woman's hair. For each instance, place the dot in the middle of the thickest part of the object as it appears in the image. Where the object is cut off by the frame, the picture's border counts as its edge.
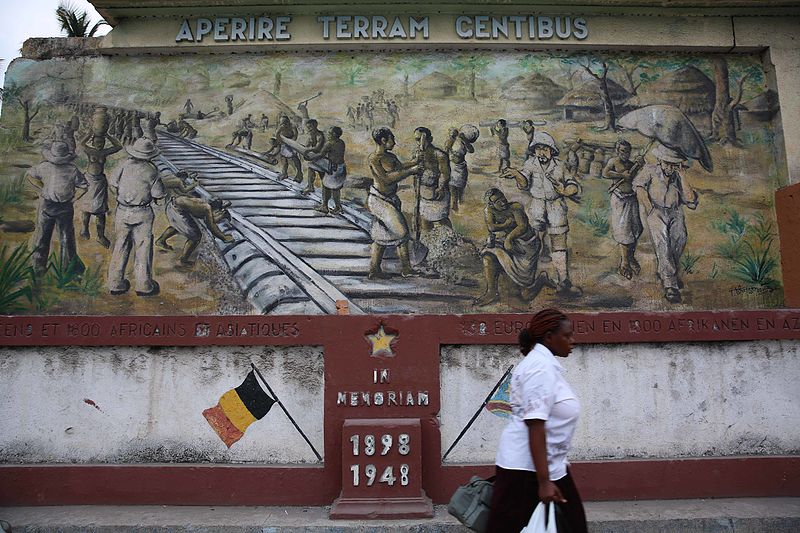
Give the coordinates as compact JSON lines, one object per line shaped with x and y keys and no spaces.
{"x":542,"y":323}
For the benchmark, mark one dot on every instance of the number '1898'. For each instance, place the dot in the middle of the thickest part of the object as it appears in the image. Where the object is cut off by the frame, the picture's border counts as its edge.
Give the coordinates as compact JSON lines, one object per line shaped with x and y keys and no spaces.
{"x":403,"y":444}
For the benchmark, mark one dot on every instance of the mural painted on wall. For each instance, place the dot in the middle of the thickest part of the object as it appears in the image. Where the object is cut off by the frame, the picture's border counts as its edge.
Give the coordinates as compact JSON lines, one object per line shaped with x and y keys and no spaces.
{"x":426,"y":182}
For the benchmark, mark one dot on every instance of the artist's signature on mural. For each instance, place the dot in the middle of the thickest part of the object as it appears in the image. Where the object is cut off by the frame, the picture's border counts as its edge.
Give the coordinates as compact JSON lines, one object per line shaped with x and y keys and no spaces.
{"x":745,"y":289}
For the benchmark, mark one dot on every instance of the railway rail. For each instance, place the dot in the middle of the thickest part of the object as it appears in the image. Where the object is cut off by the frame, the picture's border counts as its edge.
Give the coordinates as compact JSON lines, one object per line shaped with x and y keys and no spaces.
{"x":289,"y":258}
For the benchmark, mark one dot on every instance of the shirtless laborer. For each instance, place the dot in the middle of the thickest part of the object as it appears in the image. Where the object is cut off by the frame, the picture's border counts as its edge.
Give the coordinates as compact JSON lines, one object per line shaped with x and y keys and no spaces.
{"x":331,"y":157}
{"x":389,"y":228}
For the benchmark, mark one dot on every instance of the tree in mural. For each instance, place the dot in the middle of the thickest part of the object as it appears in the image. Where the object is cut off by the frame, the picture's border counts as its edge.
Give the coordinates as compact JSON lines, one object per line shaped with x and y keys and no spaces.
{"x":723,"y":121}
{"x":352,"y":69}
{"x":598,"y":69}
{"x":473,"y":65}
{"x":408,"y":65}
{"x":17,"y":94}
{"x":75,"y":23}
{"x":531,"y":63}
{"x":35,"y":83}
{"x":569,"y":71}
{"x":278,"y":67}
{"x":635,"y":72}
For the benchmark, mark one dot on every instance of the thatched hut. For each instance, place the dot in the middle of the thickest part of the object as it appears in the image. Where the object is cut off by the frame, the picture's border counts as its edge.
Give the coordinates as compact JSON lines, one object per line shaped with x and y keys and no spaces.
{"x":537,"y":90}
{"x":585,"y":103}
{"x":760,"y":109}
{"x":197,"y":81}
{"x":510,"y":83}
{"x":237,"y":80}
{"x":688,"y":89}
{"x":435,"y":85}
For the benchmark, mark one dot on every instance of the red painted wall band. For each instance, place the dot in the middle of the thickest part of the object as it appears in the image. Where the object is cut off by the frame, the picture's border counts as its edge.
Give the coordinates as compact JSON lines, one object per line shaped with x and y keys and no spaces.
{"x":164,"y":484}
{"x":623,"y":327}
{"x":349,"y":368}
{"x":266,"y":485}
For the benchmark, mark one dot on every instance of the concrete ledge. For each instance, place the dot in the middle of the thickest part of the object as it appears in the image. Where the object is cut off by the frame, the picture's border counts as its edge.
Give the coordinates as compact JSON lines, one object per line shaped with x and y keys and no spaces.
{"x":743,"y":515}
{"x":50,"y":47}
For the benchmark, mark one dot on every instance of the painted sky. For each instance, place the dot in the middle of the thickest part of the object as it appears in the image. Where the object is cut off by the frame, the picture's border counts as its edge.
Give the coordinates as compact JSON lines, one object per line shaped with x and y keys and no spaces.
{"x":32,"y":18}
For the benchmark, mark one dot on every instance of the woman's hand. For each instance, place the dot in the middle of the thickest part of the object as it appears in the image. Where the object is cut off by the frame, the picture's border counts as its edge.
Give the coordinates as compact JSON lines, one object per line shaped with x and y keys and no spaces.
{"x":549,"y":492}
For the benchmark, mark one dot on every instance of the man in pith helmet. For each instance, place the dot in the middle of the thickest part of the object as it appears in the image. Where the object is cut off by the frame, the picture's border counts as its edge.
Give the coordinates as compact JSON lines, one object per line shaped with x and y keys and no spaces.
{"x":137,"y":183}
{"x":663,"y":192}
{"x":57,"y":179}
{"x":549,"y":185}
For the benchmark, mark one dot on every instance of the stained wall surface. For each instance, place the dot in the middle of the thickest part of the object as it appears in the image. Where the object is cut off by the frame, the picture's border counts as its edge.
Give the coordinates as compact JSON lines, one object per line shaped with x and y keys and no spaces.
{"x":643,"y":400}
{"x":133,"y":405}
{"x":145,"y":405}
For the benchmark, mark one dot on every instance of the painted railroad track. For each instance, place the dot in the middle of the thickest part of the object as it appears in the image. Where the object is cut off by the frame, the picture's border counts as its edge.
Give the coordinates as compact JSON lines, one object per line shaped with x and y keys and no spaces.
{"x":289,"y":258}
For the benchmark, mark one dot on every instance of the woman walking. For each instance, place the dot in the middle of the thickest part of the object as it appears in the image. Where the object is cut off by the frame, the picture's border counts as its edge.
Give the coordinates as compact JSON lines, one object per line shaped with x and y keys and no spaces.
{"x":532,"y":455}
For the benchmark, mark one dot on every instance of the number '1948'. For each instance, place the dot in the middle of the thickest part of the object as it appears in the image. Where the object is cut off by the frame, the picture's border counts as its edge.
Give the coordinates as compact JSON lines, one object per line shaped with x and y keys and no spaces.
{"x":388,"y":477}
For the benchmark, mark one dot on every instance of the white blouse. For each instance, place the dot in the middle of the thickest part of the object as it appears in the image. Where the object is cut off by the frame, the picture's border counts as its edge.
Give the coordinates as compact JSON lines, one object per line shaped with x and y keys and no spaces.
{"x":539,"y":392}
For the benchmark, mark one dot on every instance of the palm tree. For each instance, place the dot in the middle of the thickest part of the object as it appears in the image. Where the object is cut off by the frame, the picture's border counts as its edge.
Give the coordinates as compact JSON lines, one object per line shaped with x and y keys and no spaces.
{"x":76,"y":23}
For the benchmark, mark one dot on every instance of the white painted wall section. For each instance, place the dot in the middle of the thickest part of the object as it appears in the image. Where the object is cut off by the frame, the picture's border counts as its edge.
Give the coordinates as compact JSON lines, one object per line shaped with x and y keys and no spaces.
{"x":144,"y":405}
{"x":644,"y":400}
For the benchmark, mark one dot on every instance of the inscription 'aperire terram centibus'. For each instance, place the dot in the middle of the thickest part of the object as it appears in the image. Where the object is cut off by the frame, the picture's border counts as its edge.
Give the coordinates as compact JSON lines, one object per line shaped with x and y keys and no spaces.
{"x":379,"y":27}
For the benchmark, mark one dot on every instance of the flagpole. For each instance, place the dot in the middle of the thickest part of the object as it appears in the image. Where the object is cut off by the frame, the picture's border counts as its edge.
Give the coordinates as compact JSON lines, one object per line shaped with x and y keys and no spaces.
{"x":277,"y":400}
{"x":469,"y":424}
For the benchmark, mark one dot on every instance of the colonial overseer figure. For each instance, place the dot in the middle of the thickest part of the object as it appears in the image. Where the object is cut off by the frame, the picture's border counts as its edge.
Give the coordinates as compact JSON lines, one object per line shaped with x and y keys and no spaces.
{"x":549,"y":185}
{"x":57,"y":179}
{"x":663,"y":192}
{"x":137,"y":184}
{"x":389,"y":227}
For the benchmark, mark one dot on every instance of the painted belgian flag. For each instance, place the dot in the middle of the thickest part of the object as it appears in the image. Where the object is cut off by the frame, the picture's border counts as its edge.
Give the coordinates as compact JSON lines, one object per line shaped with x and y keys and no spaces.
{"x":237,"y":409}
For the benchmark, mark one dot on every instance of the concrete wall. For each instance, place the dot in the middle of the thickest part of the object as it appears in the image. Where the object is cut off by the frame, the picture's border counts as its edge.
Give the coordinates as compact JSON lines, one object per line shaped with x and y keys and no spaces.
{"x":144,"y":405}
{"x":644,"y":400}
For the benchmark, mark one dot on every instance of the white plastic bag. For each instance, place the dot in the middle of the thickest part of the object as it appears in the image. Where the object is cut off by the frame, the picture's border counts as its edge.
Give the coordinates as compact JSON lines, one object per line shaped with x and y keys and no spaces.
{"x":537,"y":522}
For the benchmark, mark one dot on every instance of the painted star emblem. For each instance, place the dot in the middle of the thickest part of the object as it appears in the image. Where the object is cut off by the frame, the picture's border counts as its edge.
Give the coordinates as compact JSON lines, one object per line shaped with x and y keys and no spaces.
{"x":381,"y":343}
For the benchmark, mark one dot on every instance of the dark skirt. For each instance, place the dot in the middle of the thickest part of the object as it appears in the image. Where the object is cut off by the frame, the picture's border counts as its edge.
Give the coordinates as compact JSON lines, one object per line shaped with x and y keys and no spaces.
{"x":516,"y":494}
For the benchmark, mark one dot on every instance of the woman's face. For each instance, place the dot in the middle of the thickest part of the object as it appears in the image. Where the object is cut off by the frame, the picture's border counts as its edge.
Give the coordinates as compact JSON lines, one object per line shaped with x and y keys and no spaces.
{"x":560,"y":341}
